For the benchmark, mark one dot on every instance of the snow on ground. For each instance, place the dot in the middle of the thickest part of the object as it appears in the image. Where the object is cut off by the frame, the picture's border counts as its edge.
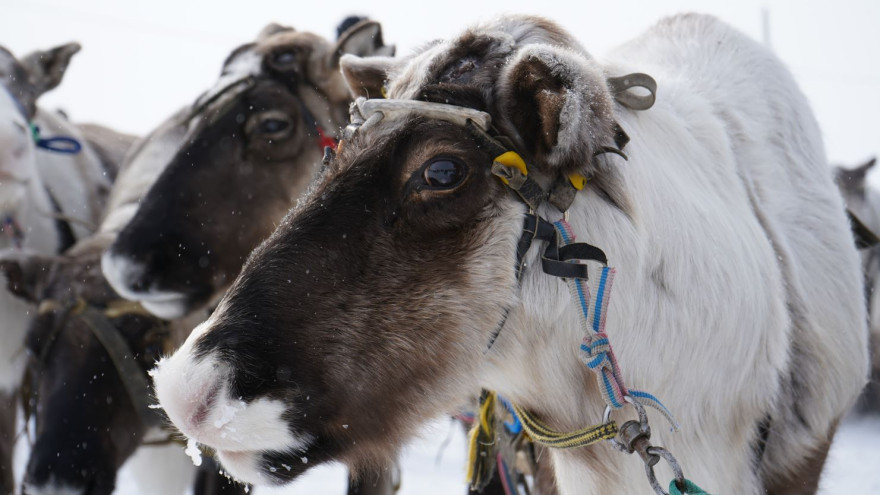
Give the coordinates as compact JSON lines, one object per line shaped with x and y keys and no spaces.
{"x":853,"y":464}
{"x":434,"y":465}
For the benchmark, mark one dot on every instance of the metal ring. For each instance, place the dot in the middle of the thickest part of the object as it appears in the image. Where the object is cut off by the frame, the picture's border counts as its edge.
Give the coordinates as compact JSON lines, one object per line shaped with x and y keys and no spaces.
{"x":640,"y":409}
{"x":673,"y":462}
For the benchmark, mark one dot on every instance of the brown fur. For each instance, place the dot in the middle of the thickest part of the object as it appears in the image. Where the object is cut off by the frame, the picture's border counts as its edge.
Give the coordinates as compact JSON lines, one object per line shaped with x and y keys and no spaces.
{"x":804,"y":481}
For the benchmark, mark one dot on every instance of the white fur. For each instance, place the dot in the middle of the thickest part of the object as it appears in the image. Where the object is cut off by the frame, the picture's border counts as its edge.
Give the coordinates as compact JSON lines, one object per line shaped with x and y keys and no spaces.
{"x":185,"y":386}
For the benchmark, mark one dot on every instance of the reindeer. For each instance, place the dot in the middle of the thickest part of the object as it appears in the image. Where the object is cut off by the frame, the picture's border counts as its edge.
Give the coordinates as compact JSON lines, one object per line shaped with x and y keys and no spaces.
{"x":76,"y":299}
{"x":90,"y":349}
{"x":414,"y":272}
{"x":278,"y":103}
{"x":864,"y":201}
{"x":52,"y":191}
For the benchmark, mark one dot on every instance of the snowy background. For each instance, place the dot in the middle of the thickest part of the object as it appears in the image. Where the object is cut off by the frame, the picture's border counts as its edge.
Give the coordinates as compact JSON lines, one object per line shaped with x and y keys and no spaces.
{"x":141,"y":61}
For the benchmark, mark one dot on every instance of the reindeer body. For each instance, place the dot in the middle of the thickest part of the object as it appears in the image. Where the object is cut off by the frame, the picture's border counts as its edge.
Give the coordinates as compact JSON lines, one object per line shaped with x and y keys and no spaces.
{"x":737,"y":300}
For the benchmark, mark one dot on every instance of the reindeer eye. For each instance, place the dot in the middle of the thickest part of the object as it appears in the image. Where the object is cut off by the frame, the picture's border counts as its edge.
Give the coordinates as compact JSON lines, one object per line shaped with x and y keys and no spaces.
{"x":283,"y":59}
{"x":444,"y":173}
{"x":272,"y":126}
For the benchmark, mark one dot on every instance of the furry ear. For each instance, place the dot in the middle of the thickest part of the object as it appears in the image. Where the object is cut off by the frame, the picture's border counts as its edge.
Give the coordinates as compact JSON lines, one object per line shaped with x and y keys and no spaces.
{"x":363,"y":39}
{"x":46,"y":68}
{"x":366,"y":76}
{"x":26,"y":275}
{"x":558,"y":107}
{"x":852,"y":180}
{"x":863,"y":169}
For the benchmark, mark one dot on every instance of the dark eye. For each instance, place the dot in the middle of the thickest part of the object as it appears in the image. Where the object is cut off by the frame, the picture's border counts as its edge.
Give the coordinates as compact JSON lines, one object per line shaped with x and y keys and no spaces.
{"x":285,"y":60}
{"x":273,"y":126}
{"x":444,"y":173}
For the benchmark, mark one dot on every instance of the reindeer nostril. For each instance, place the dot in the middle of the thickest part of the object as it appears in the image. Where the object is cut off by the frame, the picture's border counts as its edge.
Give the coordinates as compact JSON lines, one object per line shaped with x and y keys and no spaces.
{"x":204,"y":408}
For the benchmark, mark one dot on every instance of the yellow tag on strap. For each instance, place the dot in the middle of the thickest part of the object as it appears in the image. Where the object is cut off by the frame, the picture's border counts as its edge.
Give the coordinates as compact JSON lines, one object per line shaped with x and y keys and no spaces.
{"x":513,"y":160}
{"x":578,"y":181}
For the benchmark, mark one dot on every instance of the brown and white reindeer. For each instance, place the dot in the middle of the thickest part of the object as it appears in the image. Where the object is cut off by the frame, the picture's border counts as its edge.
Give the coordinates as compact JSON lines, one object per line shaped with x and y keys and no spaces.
{"x":264,"y":126}
{"x":372,"y":307}
{"x":48,"y":199}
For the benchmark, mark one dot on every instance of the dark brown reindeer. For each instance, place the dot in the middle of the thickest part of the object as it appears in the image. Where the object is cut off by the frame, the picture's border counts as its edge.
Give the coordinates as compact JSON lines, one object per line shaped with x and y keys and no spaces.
{"x":88,"y":421}
{"x":392,"y":292}
{"x":278,"y":103}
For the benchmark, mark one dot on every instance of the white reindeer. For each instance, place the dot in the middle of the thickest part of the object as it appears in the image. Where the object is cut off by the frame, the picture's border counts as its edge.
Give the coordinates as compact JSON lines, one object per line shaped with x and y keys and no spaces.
{"x":48,"y":200}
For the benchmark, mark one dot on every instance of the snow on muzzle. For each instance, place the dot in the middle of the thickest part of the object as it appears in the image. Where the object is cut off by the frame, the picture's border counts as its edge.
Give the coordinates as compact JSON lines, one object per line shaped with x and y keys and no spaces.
{"x":195,"y":393}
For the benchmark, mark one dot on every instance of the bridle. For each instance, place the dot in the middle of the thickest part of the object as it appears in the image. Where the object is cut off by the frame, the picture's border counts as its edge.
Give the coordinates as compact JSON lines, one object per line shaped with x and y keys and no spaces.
{"x":100,"y":322}
{"x":243,"y":84}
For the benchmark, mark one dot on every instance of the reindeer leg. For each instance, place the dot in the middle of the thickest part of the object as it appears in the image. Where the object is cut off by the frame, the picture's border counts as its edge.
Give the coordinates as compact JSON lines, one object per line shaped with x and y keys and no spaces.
{"x":382,"y":483}
{"x":8,"y":410}
{"x":804,"y":481}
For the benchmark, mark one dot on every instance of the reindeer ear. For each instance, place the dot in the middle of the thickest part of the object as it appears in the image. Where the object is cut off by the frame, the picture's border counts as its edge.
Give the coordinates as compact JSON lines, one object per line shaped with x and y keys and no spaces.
{"x":558,"y":105}
{"x":26,"y":275}
{"x":364,"y":39}
{"x":272,"y":29}
{"x":853,"y":179}
{"x":366,"y":76}
{"x":46,"y":68}
{"x":866,"y":167}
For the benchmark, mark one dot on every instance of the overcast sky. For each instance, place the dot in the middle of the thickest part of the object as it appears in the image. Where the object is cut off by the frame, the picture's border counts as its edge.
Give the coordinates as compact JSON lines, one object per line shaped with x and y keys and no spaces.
{"x":142,"y":60}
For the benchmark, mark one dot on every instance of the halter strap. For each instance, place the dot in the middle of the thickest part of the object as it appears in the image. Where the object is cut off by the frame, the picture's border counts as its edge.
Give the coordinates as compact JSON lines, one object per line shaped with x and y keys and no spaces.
{"x":98,"y":321}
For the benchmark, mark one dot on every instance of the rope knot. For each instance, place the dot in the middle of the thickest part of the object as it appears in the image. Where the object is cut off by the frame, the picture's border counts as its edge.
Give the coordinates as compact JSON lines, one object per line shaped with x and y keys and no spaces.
{"x":596,"y":347}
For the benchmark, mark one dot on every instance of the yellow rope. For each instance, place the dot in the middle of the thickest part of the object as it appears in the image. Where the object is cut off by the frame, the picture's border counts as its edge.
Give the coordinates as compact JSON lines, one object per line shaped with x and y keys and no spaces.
{"x":542,"y":434}
{"x":481,"y":443}
{"x":482,"y":438}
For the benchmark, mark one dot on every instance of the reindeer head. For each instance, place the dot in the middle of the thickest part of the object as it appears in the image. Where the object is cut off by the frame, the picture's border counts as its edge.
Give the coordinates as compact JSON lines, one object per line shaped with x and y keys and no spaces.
{"x":371,"y":307}
{"x":255,"y":143}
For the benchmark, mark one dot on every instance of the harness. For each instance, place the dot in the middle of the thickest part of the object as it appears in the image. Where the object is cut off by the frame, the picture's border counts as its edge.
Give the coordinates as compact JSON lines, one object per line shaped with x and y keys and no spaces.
{"x":99,"y":322}
{"x":57,"y":144}
{"x":564,"y":258}
{"x":246,"y":83}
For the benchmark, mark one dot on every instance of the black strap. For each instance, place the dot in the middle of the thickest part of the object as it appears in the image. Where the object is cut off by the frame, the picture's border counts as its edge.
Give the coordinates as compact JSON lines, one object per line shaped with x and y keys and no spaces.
{"x":556,"y":260}
{"x":620,"y":87}
{"x":484,"y":140}
{"x":66,"y":237}
{"x":133,"y":377}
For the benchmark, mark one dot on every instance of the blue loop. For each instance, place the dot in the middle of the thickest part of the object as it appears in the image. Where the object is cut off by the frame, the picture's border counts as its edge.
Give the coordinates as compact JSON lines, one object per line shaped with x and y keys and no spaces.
{"x":60,"y":144}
